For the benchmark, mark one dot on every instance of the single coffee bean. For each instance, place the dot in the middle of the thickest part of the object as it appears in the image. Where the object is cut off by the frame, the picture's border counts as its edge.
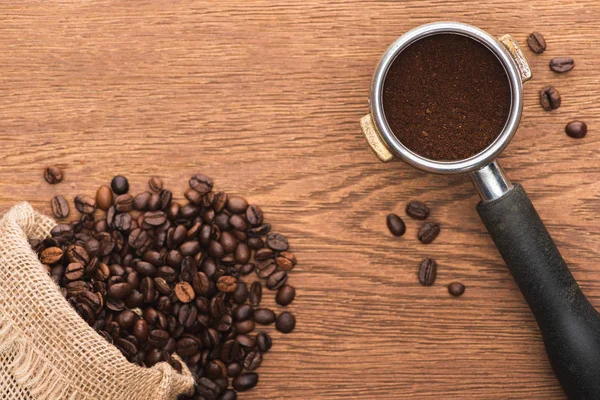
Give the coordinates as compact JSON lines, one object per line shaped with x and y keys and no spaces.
{"x":126,"y":319}
{"x":427,"y":272}
{"x":234,"y":369}
{"x":276,"y":280}
{"x":85,"y":204}
{"x":395,"y":225}
{"x":74,"y":271}
{"x":119,"y":185}
{"x":417,"y":210}
{"x":562,"y":64}
{"x":184,"y":292}
{"x":140,"y":330}
{"x":244,"y":326}
{"x":155,"y":184}
{"x":255,"y":243}
{"x":264,"y":316}
{"x":285,"y":322}
{"x":104,"y":197}
{"x":60,"y":207}
{"x":428,"y":232}
{"x":576,"y":129}
{"x":187,"y":347}
{"x":51,"y":255}
{"x":141,"y":200}
{"x":240,"y":295}
{"x":258,"y":231}
{"x":127,"y":348}
{"x":237,"y":205}
{"x":245,"y":381}
{"x":190,"y":248}
{"x":227,"y":284}
{"x":137,"y":238}
{"x":550,"y":98}
{"x":229,"y":394}
{"x":63,"y":232}
{"x":76,"y":253}
{"x":254,"y":215}
{"x":119,"y":291}
{"x":247,"y":269}
{"x":228,"y":242}
{"x":286,"y":261}
{"x":264,"y":269}
{"x":122,"y":221}
{"x":252,"y":360}
{"x":124,"y":203}
{"x":456,"y":289}
{"x":207,"y":389}
{"x":200,"y":183}
{"x":158,"y":337}
{"x":285,"y":295}
{"x":536,"y":42}
{"x":243,"y":313}
{"x":155,"y":218}
{"x":263,"y":342}
{"x":255,"y":294}
{"x":242,"y":253}
{"x":53,"y":175}
{"x":164,"y":199}
{"x":238,"y":222}
{"x":277,"y":242}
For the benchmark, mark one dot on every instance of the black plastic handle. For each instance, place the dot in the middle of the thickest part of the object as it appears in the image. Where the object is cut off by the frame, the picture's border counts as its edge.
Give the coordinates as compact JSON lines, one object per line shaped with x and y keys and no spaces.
{"x":569,"y":323}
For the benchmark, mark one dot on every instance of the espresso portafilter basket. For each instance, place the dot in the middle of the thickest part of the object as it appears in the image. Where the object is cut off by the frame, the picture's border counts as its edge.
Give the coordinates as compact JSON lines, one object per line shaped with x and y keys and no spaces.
{"x":569,"y":324}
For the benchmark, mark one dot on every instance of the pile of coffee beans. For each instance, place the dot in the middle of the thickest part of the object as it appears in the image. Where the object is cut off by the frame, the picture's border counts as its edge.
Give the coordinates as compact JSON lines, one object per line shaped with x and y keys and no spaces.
{"x":550,"y":98}
{"x":158,"y":278}
{"x":428,"y":232}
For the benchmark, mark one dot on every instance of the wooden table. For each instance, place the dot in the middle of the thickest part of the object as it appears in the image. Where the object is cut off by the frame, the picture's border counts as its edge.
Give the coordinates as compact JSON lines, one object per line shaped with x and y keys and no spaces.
{"x":265,"y":97}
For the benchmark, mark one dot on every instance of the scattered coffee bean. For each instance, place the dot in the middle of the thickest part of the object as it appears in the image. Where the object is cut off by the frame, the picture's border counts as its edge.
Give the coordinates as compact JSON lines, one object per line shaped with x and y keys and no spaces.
{"x":576,"y":129}
{"x":184,"y":292}
{"x":285,"y":295}
{"x":550,"y":98}
{"x":427,"y":272}
{"x":428,"y":232}
{"x":227,"y":284}
{"x":285,"y":322}
{"x":255,"y":294}
{"x":395,"y":225}
{"x":562,"y":64}
{"x":104,"y":197}
{"x":245,"y":381}
{"x":263,"y":342}
{"x":51,"y":255}
{"x":119,"y":185}
{"x":456,"y":289}
{"x":53,"y":175}
{"x":276,"y":280}
{"x":85,"y":204}
{"x":286,"y":260}
{"x":60,"y":207}
{"x":264,"y":316}
{"x":155,"y":184}
{"x":536,"y":42}
{"x":417,"y":210}
{"x":277,"y":242}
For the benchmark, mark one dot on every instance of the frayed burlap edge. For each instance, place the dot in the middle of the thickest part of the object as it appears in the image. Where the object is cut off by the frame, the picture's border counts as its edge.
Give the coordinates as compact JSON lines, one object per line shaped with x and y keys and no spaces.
{"x":46,"y":348}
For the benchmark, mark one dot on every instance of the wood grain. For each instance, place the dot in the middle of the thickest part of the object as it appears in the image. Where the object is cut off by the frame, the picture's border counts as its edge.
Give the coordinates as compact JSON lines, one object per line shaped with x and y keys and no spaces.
{"x":265,"y":97}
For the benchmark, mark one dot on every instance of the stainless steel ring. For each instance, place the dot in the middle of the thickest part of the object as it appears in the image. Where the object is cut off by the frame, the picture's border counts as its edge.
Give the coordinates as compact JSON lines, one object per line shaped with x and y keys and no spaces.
{"x":448,"y":167}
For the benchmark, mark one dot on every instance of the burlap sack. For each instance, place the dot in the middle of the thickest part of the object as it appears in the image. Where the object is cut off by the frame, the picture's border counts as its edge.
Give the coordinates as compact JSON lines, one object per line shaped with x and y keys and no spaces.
{"x":46,"y":350}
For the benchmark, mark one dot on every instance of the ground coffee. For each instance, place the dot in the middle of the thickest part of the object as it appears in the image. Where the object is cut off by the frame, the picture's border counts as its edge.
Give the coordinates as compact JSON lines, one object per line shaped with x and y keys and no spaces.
{"x":446,"y":97}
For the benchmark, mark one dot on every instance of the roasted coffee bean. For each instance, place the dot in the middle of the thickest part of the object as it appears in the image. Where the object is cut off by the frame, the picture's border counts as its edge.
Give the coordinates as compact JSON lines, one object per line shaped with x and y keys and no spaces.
{"x":395,"y":225}
{"x":276,"y":280}
{"x":245,"y":381}
{"x":255,"y":243}
{"x":456,"y":289}
{"x":536,"y":42}
{"x":263,"y":342}
{"x":158,"y":337}
{"x":126,"y":319}
{"x":258,"y":231}
{"x":76,"y":253}
{"x":417,"y":210}
{"x":218,"y":306}
{"x":85,"y":204}
{"x":119,"y":291}
{"x":190,"y":248}
{"x":155,"y":184}
{"x":193,"y":197}
{"x":428,"y":232}
{"x":119,"y":185}
{"x":154,"y":218}
{"x":104,"y":197}
{"x":174,"y":259}
{"x":164,"y":199}
{"x":145,"y":268}
{"x":230,"y":351}
{"x":277,"y":242}
{"x":229,"y":394}
{"x":285,"y":295}
{"x":244,"y":326}
{"x":264,"y":254}
{"x":74,"y":271}
{"x":246,"y":269}
{"x":247,"y":342}
{"x":234,"y":369}
{"x":140,"y":330}
{"x":200,"y":183}
{"x":252,"y":360}
{"x":60,"y":207}
{"x":141,"y":200}
{"x":124,"y":203}
{"x":576,"y":129}
{"x":562,"y":64}
{"x":201,"y":284}
{"x":53,"y":175}
{"x":237,"y":205}
{"x":238,"y":222}
{"x":550,"y":98}
{"x":187,"y":347}
{"x":227,"y":284}
{"x":184,"y":292}
{"x":77,"y":287}
{"x":62,"y":232}
{"x":137,"y":238}
{"x":240,"y":295}
{"x":242,"y":253}
{"x":215,"y":249}
{"x":264,"y":316}
{"x":162,"y":286}
{"x":285,"y":322}
{"x":228,"y":242}
{"x":254,"y":215}
{"x":427,"y":272}
{"x":211,"y":338}
{"x":122,"y":221}
{"x":207,"y":389}
{"x":51,"y":255}
{"x":255,"y":294}
{"x":264,"y":269}
{"x":243,"y":313}
{"x":286,"y":261}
